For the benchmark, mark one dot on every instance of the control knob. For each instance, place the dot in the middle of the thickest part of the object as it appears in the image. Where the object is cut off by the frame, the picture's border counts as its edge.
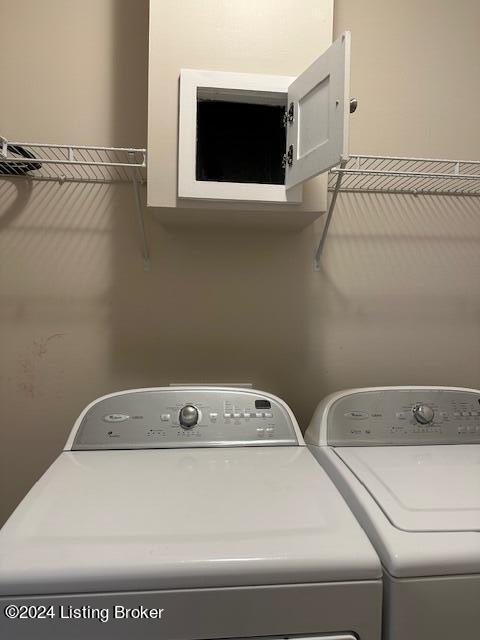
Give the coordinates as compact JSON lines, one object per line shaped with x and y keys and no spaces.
{"x":423,"y":413}
{"x":188,"y":416}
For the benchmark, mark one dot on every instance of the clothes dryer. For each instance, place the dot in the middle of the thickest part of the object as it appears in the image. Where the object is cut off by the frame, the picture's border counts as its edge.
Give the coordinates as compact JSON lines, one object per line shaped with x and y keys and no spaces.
{"x":183,"y":514}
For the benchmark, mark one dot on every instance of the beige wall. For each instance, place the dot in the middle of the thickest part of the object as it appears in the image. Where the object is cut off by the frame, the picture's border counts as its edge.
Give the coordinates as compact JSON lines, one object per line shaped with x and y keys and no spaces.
{"x":398,"y":300}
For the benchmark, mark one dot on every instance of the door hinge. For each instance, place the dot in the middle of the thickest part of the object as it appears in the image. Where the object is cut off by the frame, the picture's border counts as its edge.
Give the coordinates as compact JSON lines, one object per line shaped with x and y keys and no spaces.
{"x":290,"y":155}
{"x":287,"y":158}
{"x":288,"y":115}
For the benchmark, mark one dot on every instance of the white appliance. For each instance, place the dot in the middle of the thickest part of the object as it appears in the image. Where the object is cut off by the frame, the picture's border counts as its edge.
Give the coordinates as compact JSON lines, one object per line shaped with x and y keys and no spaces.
{"x":200,"y":506}
{"x":407,"y":460}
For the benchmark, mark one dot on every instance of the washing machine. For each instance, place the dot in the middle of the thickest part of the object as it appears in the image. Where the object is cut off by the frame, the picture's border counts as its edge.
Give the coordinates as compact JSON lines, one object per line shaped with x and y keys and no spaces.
{"x":182,"y":514}
{"x":407,"y":461}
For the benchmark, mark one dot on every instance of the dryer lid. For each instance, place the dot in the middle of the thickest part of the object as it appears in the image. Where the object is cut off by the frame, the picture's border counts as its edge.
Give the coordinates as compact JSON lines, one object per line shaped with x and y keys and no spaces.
{"x":421,"y":488}
{"x":182,"y":518}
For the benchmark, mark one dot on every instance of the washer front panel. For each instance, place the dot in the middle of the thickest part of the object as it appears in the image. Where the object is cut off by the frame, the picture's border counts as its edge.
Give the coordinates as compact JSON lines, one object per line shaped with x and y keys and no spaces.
{"x":386,"y":417}
{"x":151,"y":419}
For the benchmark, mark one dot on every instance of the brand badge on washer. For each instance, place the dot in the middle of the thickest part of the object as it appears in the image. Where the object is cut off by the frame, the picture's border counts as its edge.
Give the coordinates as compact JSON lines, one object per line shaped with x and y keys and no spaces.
{"x":356,"y":415}
{"x":115,"y":417}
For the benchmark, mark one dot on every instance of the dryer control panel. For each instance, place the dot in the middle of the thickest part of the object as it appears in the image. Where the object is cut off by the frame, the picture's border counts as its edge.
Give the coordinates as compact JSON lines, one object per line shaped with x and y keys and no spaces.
{"x":173,"y":417}
{"x":404,"y":416}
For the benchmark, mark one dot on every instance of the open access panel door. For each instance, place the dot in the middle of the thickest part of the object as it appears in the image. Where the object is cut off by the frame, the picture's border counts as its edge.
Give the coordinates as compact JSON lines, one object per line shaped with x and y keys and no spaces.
{"x":318,"y":115}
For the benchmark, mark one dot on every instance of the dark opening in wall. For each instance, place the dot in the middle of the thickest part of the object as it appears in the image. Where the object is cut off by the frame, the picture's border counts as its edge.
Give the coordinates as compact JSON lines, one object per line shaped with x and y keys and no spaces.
{"x":240,"y":142}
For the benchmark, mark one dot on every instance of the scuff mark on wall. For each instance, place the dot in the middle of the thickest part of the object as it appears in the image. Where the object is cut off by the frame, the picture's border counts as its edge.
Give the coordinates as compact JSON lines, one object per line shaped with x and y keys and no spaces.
{"x":26,"y":384}
{"x":40,"y":346}
{"x":29,"y":366}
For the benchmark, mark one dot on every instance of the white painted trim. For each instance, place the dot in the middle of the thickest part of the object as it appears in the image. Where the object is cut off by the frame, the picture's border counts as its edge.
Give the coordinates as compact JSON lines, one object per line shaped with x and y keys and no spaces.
{"x":188,"y":187}
{"x":188,"y":388}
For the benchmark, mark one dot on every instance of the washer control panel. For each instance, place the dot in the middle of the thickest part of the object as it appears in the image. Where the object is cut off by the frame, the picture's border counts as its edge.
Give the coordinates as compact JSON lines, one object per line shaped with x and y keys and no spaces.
{"x":163,"y":418}
{"x":405,"y":416}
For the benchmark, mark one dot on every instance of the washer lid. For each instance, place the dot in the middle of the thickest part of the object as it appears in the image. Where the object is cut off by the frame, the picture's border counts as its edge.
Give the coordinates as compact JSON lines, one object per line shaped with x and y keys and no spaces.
{"x":421,"y":488}
{"x":182,"y":518}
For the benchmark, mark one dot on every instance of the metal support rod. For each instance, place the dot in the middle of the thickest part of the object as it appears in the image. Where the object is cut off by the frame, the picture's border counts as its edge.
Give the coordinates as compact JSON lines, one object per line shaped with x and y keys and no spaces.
{"x":318,"y":252}
{"x":143,"y":152}
{"x":141,"y":222}
{"x":86,"y":163}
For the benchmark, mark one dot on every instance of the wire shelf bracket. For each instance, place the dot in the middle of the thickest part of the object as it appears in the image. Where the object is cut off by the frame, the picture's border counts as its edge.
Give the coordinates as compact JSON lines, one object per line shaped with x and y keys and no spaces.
{"x":399,"y":175}
{"x":331,"y":207}
{"x":80,"y":164}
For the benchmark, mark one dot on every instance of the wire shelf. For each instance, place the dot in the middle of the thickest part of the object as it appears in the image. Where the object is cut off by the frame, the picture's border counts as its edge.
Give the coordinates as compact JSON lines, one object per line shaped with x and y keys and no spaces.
{"x":75,"y":163}
{"x":71,"y":163}
{"x":383,"y":174}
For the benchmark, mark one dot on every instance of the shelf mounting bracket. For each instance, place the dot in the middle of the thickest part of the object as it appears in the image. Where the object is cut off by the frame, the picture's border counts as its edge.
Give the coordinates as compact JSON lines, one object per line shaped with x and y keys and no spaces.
{"x":331,"y":207}
{"x":141,"y":220}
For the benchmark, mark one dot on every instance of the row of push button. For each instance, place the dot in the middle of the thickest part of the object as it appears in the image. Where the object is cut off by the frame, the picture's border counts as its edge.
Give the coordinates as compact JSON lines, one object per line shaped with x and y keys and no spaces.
{"x":261,"y":430}
{"x":403,"y":415}
{"x":247,"y":414}
{"x":165,"y":417}
{"x":469,"y":429}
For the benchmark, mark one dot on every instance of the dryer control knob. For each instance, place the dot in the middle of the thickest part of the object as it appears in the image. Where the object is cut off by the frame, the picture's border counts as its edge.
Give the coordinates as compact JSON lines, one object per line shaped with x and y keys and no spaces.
{"x":188,"y":416}
{"x":423,"y":413}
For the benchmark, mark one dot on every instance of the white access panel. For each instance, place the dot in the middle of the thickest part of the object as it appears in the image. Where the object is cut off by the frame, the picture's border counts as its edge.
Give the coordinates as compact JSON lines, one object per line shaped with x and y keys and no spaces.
{"x":317,"y":124}
{"x":317,"y":135}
